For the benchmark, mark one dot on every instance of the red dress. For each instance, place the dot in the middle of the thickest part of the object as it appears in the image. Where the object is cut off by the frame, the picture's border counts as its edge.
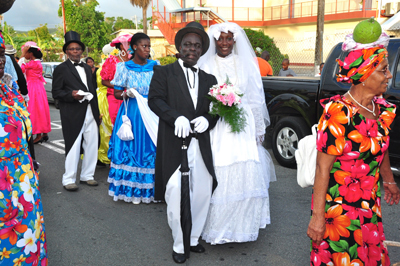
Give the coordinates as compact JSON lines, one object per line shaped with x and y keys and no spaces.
{"x":107,"y":73}
{"x":38,"y":106}
{"x":354,"y":232}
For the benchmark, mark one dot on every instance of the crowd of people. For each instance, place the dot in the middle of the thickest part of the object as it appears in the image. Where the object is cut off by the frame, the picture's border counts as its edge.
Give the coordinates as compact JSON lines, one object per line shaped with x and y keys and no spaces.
{"x":137,"y":117}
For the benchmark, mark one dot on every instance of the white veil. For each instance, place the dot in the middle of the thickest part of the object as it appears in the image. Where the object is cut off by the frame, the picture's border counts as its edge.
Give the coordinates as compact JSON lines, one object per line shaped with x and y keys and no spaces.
{"x":248,"y":62}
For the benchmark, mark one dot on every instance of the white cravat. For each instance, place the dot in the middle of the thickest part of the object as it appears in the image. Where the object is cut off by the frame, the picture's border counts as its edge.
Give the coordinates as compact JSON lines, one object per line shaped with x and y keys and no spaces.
{"x":82,"y":74}
{"x":191,"y":78}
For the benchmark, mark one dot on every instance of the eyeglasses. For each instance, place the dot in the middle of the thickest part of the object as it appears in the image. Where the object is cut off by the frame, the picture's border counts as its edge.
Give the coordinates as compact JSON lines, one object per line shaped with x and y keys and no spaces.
{"x":76,"y":49}
{"x":190,"y":45}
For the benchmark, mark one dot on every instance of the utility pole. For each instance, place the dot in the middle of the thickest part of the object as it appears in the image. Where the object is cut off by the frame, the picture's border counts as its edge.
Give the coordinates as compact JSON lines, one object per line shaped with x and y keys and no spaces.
{"x":319,"y":42}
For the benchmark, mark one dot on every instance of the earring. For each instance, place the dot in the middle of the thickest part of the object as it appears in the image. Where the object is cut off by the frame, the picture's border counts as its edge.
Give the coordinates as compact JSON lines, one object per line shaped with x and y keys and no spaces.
{"x":122,"y":53}
{"x":363,"y":84}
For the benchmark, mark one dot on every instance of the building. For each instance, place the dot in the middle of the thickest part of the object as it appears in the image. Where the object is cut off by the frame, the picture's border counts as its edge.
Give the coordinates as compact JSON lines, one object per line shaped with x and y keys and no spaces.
{"x":291,"y":23}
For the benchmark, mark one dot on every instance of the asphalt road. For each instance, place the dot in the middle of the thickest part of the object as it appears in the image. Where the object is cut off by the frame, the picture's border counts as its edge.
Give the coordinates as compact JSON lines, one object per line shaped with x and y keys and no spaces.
{"x":88,"y":228}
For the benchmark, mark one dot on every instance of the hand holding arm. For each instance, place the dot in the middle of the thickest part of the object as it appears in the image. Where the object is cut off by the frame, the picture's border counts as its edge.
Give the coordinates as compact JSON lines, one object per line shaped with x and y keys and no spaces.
{"x":76,"y":96}
{"x":200,"y":124}
{"x":317,"y":227}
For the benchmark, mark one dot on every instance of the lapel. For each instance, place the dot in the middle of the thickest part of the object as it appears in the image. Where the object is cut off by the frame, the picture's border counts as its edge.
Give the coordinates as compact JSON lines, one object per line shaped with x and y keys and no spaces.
{"x":75,"y":73}
{"x":181,"y":80}
{"x":203,"y":90}
{"x":88,"y":72}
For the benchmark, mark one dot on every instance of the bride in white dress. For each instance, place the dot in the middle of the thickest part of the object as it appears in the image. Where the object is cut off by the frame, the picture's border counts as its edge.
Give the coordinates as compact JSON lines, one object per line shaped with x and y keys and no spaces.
{"x":240,"y":203}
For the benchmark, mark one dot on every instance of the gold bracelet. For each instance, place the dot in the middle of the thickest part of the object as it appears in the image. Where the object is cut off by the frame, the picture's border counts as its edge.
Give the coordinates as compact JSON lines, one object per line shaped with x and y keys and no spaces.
{"x":390,"y":183}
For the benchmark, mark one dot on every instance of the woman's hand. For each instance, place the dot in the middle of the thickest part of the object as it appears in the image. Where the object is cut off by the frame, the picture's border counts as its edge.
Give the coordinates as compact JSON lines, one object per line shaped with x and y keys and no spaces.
{"x":392,"y":193}
{"x":25,"y":50}
{"x":316,"y":228}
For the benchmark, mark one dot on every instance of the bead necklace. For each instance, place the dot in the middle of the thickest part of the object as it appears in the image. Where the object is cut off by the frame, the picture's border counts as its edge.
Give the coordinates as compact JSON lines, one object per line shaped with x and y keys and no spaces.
{"x":234,"y":66}
{"x":371,"y":111}
{"x":7,"y":97}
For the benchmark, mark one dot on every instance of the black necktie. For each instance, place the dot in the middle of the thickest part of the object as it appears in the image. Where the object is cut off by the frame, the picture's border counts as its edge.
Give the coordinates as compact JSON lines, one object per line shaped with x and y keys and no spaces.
{"x":78,"y":64}
{"x":191,"y":67}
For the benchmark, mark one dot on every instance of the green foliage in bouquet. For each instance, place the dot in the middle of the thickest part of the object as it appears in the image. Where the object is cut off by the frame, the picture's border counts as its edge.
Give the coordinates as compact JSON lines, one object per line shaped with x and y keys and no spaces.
{"x":234,"y":116}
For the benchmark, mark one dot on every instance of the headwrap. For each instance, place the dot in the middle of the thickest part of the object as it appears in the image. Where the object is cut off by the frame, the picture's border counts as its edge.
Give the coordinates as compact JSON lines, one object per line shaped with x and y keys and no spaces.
{"x":2,"y":43}
{"x":362,"y":59}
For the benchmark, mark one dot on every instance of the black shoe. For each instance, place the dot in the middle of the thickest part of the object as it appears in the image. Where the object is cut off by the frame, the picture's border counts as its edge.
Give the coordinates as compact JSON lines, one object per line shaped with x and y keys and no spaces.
{"x":178,"y":258}
{"x":198,"y":249}
{"x":45,"y":138}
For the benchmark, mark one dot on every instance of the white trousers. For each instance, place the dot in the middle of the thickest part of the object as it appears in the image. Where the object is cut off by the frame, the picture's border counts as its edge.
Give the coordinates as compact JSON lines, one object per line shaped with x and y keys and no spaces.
{"x":200,"y":184}
{"x":90,"y":134}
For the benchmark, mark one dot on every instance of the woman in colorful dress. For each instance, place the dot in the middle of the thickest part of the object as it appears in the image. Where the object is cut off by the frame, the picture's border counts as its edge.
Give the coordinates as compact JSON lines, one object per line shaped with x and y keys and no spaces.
{"x":131,"y":174}
{"x":353,"y":140}
{"x":121,"y":43}
{"x":38,"y":106}
{"x":22,"y":231}
{"x":240,"y":203}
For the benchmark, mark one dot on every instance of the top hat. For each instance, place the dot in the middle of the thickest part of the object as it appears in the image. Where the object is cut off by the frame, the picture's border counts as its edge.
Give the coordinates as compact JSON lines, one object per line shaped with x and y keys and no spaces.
{"x":193,"y":27}
{"x":70,"y":37}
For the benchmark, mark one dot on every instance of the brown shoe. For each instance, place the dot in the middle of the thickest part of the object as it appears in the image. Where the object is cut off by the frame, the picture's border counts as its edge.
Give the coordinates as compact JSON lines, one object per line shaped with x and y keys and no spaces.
{"x":71,"y":187}
{"x":90,"y":182}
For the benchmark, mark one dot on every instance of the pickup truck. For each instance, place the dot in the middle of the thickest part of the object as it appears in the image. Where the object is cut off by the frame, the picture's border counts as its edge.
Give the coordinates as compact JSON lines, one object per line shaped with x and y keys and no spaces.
{"x":293,"y":105}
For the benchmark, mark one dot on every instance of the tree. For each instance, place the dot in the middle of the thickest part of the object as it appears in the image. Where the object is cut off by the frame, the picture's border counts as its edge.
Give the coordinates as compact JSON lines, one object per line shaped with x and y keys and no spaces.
{"x":142,"y":4}
{"x":264,"y":42}
{"x":123,"y":23}
{"x":41,"y":33}
{"x":82,"y":17}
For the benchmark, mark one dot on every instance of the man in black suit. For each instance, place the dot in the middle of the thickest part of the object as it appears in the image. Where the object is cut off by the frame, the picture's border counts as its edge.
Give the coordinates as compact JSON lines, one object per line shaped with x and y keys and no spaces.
{"x":80,"y":116}
{"x":178,"y":95}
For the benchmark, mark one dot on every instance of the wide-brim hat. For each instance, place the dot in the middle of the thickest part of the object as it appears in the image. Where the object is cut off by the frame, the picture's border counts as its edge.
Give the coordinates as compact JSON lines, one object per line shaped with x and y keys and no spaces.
{"x":193,"y":27}
{"x":10,"y":50}
{"x":70,"y":37}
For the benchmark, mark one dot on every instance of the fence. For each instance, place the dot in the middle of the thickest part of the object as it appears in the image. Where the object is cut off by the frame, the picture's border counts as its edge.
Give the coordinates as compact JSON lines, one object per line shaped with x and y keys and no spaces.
{"x":301,"y":52}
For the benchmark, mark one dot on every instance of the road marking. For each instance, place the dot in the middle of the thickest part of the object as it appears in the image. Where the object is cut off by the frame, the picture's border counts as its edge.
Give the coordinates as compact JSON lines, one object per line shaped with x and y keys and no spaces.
{"x":56,"y":124}
{"x":52,"y":147}
{"x":58,"y":143}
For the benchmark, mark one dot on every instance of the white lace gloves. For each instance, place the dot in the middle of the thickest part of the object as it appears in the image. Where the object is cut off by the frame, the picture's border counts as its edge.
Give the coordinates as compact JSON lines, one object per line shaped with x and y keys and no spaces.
{"x":129,"y":93}
{"x":26,"y":98}
{"x":200,"y":124}
{"x":182,"y":127}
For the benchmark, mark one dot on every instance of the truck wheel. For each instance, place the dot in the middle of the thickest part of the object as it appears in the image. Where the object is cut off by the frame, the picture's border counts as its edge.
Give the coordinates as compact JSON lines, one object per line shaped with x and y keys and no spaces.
{"x":56,"y":104}
{"x":285,"y":138}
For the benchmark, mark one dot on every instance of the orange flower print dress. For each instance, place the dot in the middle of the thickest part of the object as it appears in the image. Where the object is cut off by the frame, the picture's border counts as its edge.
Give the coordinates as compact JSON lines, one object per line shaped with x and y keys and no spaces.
{"x":354,"y":232}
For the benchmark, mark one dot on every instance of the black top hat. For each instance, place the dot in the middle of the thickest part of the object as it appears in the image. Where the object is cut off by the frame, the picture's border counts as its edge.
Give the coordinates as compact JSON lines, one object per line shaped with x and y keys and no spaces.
{"x":193,"y":27}
{"x":70,"y":37}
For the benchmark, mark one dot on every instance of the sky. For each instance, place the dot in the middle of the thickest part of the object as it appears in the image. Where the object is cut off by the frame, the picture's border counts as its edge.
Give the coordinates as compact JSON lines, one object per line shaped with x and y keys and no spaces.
{"x":26,"y":15}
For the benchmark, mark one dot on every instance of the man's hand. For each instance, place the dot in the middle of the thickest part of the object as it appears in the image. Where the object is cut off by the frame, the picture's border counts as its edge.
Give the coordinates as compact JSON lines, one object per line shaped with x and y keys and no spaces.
{"x":129,"y":93}
{"x":76,"y":96}
{"x":182,"y":127}
{"x":200,"y":124}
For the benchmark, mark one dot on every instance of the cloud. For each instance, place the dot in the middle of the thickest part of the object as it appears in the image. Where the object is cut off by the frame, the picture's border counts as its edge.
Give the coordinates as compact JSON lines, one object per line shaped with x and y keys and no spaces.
{"x":29,"y":14}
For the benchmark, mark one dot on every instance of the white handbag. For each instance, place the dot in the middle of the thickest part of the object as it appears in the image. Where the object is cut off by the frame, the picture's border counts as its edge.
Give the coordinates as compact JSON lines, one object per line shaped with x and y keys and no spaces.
{"x":125,"y":131}
{"x":306,"y":159}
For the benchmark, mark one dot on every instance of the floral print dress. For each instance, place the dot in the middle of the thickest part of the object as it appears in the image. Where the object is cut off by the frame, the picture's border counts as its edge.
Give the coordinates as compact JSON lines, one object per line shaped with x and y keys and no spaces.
{"x":354,"y":232}
{"x":22,"y":232}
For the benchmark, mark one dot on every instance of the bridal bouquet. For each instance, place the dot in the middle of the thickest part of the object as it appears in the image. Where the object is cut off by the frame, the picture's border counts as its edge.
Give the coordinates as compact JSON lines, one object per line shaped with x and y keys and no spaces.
{"x":225,"y":100}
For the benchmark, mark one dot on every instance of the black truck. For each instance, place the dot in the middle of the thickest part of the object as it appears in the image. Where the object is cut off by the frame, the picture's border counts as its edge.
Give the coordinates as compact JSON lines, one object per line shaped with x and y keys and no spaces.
{"x":293,"y":105}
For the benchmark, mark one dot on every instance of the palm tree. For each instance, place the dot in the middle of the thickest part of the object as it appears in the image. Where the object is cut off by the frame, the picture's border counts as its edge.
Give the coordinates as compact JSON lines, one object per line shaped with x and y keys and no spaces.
{"x":142,"y":4}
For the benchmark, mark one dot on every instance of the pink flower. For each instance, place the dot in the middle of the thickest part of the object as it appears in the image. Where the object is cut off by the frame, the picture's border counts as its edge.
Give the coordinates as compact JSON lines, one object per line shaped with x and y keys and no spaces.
{"x":322,"y":138}
{"x":320,"y":254}
{"x":231,"y":98}
{"x":353,"y":213}
{"x":220,"y":98}
{"x":5,"y":179}
{"x":369,"y":252}
{"x":348,"y":154}
{"x":355,"y":184}
{"x":14,"y":128}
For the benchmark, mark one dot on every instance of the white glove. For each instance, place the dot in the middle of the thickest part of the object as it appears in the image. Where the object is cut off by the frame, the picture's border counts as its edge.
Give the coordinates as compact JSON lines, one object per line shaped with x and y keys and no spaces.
{"x":200,"y":124}
{"x":182,"y":127}
{"x":26,"y":98}
{"x":129,"y":93}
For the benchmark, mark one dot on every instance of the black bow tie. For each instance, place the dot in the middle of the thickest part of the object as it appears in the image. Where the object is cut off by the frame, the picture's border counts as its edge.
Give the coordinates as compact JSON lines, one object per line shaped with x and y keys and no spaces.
{"x":78,"y":64}
{"x":191,"y":67}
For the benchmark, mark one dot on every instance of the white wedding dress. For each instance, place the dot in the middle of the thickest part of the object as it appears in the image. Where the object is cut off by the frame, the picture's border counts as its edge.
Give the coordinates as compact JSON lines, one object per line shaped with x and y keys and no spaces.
{"x":240,"y":204}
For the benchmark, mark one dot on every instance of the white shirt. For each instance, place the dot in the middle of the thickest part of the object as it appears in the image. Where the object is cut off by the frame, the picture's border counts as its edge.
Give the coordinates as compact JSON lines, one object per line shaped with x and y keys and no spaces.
{"x":191,"y":78}
{"x":82,"y":74}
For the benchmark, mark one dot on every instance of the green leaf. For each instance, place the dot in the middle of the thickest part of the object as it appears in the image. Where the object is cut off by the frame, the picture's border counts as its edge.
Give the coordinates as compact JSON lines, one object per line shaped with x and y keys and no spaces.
{"x":353,"y":251}
{"x":339,"y":246}
{"x":355,"y":224}
{"x":357,"y":62}
{"x":15,"y":250}
{"x":334,"y":191}
{"x":374,"y":219}
{"x":17,"y":173}
{"x":2,"y":204}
